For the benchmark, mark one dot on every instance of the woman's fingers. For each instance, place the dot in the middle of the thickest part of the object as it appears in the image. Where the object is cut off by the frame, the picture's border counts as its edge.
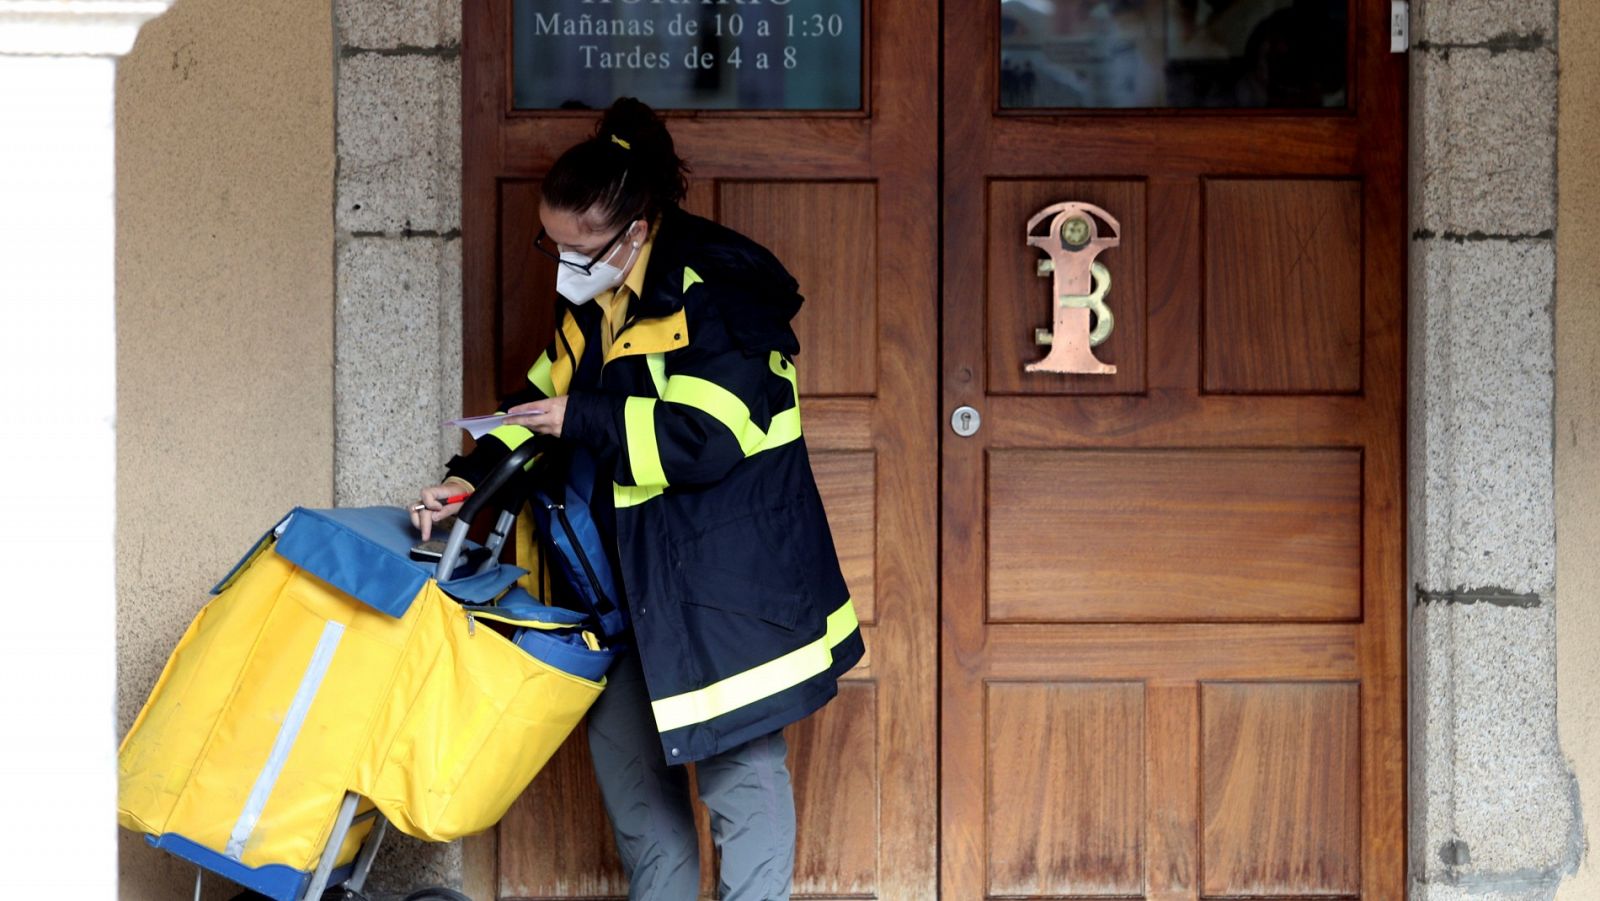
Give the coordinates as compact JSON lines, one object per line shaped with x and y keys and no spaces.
{"x":424,"y":519}
{"x":432,"y":509}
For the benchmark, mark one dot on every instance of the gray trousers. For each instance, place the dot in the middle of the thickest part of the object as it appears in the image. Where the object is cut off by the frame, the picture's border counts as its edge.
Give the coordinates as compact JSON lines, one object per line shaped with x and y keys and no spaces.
{"x":746,"y":789}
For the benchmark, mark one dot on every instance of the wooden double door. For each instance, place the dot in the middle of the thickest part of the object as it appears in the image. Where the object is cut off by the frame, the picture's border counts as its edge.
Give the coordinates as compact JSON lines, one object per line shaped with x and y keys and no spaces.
{"x":1141,"y":634}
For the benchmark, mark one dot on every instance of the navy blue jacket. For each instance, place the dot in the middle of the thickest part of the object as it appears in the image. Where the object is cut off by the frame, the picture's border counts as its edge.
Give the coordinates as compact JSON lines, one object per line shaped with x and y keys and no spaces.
{"x":740,"y":613}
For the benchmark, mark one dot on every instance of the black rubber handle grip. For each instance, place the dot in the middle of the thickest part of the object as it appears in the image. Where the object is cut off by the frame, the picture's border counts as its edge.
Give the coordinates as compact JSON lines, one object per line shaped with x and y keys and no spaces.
{"x":502,"y":476}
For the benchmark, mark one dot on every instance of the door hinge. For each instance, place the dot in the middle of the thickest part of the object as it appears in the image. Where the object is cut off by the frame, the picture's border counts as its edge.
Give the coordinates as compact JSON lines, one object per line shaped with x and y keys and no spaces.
{"x":1399,"y":26}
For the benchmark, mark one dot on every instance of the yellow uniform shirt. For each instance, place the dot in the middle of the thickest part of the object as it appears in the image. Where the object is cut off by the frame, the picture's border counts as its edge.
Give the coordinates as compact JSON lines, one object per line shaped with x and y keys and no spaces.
{"x":614,"y":303}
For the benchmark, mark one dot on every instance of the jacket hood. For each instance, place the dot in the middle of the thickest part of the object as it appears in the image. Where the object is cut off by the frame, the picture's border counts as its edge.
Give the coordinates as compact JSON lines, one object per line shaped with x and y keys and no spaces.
{"x":755,"y":296}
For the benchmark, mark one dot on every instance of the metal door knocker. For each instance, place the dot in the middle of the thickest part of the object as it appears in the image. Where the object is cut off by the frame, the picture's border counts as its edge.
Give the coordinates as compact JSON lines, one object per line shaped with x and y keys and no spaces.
{"x":1080,"y":286}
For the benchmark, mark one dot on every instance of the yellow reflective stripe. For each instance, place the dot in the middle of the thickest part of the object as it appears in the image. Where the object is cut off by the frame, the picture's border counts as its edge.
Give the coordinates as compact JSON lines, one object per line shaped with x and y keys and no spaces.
{"x":785,"y":428}
{"x":758,"y":682}
{"x":657,"y":364}
{"x":633,"y":495}
{"x":723,"y":405}
{"x":539,"y":376}
{"x":783,"y":369}
{"x":644,"y":457}
{"x":691,"y":277}
{"x":512,"y":436}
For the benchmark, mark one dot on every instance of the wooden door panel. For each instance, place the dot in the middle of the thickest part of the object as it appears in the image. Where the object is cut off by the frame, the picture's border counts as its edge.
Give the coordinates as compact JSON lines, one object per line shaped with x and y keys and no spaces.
{"x":1078,"y":788}
{"x":564,"y":849}
{"x":1171,"y":652}
{"x":838,"y":324}
{"x":1283,"y":285}
{"x":1172,"y":714}
{"x":1111,"y":144}
{"x":1174,"y":535}
{"x":1019,"y":301}
{"x":1066,"y":789}
{"x":848,"y":481}
{"x":1281,"y":796}
{"x":833,"y":758}
{"x":527,"y":311}
{"x":751,"y":145}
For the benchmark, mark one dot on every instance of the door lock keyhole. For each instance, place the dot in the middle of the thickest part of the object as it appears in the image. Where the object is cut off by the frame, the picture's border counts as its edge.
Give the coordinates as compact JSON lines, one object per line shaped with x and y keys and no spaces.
{"x":965,"y":421}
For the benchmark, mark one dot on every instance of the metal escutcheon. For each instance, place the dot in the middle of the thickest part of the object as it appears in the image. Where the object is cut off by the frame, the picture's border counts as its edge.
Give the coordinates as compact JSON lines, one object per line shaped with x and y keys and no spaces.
{"x":965,"y":421}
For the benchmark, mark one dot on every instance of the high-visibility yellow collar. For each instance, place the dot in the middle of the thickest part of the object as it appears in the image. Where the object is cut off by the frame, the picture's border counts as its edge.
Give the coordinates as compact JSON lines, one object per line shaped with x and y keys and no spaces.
{"x":644,"y":335}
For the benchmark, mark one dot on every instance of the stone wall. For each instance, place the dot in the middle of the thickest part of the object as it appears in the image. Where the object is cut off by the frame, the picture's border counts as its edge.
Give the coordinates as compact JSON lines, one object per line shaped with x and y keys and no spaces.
{"x":397,"y":370}
{"x":1495,"y":811}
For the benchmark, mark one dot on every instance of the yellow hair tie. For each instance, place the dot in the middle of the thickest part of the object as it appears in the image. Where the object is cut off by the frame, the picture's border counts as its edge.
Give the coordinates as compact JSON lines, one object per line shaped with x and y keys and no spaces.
{"x":621,"y":143}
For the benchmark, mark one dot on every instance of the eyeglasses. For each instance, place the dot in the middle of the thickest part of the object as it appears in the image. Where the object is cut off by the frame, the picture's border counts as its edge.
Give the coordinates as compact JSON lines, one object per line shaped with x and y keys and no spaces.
{"x":549,"y":248}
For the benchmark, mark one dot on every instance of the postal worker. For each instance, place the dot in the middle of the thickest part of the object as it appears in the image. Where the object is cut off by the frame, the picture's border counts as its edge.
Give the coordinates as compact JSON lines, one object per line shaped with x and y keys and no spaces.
{"x":673,"y":365}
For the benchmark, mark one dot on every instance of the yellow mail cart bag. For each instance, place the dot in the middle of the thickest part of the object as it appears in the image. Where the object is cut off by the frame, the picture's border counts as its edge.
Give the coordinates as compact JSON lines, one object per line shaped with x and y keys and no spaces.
{"x":330,"y":662}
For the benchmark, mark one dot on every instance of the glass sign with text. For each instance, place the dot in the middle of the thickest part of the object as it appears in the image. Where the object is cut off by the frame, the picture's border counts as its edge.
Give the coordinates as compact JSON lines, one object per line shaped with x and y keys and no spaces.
{"x":1173,"y":53}
{"x":687,"y":54}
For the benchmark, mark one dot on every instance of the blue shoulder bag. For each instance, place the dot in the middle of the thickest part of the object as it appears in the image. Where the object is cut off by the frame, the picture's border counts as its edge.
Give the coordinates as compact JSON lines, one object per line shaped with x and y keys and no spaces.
{"x":559,"y":502}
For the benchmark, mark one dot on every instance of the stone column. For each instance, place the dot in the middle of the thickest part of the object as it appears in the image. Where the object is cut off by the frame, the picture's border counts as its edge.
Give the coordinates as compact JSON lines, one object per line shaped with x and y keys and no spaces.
{"x":1494,"y":811}
{"x":397,"y":350}
{"x":57,"y":74}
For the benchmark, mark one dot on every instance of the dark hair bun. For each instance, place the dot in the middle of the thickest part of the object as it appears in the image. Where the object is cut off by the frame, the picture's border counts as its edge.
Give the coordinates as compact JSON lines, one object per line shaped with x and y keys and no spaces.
{"x":650,"y":150}
{"x":636,"y":123}
{"x":629,"y":167}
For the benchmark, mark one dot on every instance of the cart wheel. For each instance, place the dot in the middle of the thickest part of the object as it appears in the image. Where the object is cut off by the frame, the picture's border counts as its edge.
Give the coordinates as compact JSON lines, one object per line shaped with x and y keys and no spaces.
{"x":436,"y":893}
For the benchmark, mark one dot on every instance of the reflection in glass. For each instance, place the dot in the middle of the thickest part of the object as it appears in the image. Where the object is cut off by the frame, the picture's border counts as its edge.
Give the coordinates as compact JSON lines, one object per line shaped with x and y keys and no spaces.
{"x":1172,"y":53}
{"x":672,"y":54}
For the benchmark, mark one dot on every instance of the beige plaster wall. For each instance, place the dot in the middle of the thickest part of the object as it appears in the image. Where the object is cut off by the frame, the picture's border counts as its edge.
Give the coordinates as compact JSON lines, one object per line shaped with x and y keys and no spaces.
{"x":225,"y":164}
{"x":1578,"y":423}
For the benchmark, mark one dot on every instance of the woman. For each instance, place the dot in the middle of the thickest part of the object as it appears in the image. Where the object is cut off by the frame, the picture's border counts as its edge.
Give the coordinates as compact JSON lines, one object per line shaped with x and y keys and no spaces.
{"x":673,"y":366}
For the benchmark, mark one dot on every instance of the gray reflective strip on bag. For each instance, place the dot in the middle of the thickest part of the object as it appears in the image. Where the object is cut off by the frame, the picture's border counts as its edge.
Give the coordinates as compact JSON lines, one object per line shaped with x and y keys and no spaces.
{"x":321,"y":658}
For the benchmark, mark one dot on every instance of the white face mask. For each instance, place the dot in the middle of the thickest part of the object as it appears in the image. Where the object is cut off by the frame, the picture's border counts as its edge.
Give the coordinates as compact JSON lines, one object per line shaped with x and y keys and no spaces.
{"x":579,"y":288}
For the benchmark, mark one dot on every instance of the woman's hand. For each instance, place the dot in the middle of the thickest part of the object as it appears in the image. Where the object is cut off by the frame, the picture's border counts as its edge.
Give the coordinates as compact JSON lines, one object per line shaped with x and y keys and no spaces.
{"x":433,"y":499}
{"x":544,"y":417}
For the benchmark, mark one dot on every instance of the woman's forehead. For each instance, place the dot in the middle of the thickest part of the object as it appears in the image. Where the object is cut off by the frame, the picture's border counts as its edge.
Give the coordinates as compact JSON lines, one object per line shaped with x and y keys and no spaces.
{"x":575,"y":229}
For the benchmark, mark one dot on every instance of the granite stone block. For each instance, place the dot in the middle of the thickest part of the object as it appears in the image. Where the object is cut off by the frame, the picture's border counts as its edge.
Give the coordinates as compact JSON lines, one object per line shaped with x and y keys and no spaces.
{"x":1434,"y":892}
{"x":1483,"y":142}
{"x":1432,"y":742}
{"x":386,"y":24}
{"x":449,"y":19}
{"x":1500,"y":808}
{"x":1487,"y":390}
{"x":1490,"y":22}
{"x":391,"y":119}
{"x":388,"y":371}
{"x":448,"y":174}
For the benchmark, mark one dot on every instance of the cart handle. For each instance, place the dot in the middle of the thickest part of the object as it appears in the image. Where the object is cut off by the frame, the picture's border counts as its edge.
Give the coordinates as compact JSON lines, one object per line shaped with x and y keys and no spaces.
{"x":499,"y":479}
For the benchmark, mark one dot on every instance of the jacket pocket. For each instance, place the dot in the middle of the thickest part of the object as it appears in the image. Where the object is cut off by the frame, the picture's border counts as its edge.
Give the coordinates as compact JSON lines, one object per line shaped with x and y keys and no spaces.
{"x":746,"y":566}
{"x":733,"y":592}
